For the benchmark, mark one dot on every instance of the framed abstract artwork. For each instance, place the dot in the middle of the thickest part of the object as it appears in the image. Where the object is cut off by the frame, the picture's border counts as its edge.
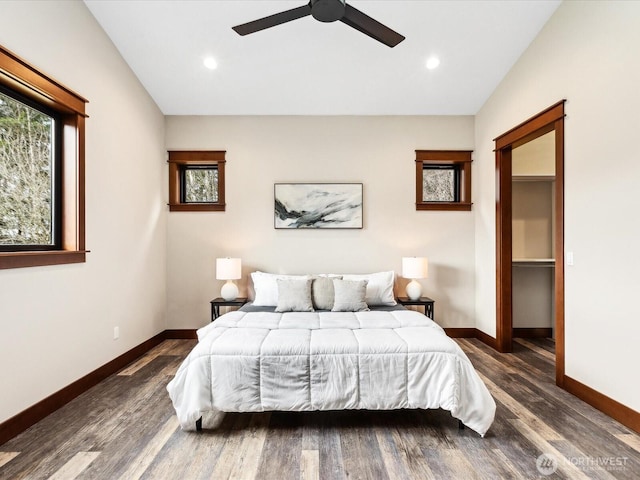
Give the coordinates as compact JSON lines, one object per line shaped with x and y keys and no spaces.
{"x":317,"y":205}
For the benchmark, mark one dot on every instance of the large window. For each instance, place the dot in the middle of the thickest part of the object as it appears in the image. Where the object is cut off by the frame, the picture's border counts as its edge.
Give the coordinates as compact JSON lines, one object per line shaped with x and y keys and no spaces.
{"x":443,"y":180}
{"x":41,"y":168}
{"x":30,"y":215}
{"x":196,"y":181}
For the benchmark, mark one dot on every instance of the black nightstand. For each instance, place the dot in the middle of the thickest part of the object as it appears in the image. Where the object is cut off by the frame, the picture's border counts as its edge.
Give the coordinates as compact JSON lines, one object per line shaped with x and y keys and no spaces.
{"x":426,"y":302}
{"x":216,"y":303}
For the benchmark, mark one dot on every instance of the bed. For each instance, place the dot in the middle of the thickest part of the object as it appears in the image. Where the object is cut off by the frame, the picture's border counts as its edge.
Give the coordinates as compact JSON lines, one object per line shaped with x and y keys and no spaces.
{"x":378,"y":358}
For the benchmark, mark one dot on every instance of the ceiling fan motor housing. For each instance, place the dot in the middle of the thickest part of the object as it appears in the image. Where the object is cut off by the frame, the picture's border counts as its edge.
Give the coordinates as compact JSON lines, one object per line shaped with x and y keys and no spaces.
{"x":327,"y":10}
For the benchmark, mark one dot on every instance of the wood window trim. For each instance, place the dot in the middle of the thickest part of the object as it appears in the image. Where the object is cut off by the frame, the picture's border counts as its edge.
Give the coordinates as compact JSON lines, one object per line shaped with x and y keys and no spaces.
{"x":181,"y":158}
{"x":459,"y":158}
{"x":25,"y":79}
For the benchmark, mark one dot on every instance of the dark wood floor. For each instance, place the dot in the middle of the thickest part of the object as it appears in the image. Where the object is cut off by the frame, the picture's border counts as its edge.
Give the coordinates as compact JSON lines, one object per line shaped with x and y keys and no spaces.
{"x":125,"y":428}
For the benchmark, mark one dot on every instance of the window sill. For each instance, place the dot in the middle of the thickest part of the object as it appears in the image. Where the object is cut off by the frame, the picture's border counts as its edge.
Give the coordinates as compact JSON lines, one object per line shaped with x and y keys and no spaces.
{"x":196,"y":207}
{"x":39,"y":259}
{"x":459,"y":206}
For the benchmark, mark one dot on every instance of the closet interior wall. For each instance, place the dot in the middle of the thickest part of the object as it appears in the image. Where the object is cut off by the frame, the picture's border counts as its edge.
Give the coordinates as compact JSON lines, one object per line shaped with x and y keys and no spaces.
{"x":533,"y":203}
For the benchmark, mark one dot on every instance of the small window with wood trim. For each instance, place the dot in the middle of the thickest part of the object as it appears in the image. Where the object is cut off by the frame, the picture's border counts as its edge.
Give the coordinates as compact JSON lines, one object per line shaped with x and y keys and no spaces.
{"x":443,"y":179}
{"x":196,"y":181}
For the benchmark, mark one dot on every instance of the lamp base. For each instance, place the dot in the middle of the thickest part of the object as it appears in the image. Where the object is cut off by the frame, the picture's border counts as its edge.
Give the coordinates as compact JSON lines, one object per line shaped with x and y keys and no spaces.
{"x":414,"y":290}
{"x":229,"y":290}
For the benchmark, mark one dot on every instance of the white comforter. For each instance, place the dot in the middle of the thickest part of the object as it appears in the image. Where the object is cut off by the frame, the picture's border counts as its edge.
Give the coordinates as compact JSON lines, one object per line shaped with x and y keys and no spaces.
{"x":378,"y":360}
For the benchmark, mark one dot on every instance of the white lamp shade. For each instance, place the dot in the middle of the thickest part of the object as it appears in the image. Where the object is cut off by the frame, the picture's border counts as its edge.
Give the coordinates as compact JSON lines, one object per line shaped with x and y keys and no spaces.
{"x":414,"y":267}
{"x":228,"y":268}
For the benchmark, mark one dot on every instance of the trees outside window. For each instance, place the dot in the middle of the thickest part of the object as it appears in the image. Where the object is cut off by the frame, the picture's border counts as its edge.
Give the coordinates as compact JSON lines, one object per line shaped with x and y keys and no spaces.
{"x":199,"y":184}
{"x":29,"y":170}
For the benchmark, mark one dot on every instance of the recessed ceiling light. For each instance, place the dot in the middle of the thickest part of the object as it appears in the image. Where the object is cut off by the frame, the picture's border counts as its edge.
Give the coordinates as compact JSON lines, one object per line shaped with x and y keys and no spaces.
{"x":433,"y":62}
{"x":210,"y":63}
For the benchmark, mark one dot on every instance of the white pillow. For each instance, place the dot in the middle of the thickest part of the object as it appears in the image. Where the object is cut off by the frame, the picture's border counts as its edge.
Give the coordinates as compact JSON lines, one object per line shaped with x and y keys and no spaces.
{"x":379,"y":287}
{"x":266,"y":287}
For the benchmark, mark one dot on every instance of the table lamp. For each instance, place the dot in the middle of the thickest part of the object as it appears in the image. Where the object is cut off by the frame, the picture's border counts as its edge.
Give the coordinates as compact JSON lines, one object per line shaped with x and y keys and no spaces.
{"x":413,"y":268}
{"x":229,"y":269}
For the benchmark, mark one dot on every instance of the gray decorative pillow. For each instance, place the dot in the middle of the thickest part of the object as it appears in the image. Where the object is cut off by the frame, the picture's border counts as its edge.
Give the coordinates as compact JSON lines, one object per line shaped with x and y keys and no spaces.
{"x":350,"y":296}
{"x":294,"y":295}
{"x":323,"y":293}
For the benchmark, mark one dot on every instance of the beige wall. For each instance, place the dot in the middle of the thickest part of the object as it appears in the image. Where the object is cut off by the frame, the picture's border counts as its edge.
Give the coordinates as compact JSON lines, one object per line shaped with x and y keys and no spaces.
{"x":587,"y":53}
{"x":56,"y":323}
{"x":375,"y":151}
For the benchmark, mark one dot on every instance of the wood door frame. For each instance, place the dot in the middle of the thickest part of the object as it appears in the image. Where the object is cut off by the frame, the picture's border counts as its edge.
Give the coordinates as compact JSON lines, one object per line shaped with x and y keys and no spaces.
{"x":549,"y":120}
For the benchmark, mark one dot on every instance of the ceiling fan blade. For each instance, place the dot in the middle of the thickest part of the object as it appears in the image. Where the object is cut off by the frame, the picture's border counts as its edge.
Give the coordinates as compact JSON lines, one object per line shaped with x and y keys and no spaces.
{"x":367,"y":25}
{"x":273,"y":20}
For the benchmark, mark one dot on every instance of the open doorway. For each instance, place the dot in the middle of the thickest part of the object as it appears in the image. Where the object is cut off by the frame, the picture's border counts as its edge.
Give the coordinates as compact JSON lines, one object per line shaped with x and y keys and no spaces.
{"x":512,"y":248}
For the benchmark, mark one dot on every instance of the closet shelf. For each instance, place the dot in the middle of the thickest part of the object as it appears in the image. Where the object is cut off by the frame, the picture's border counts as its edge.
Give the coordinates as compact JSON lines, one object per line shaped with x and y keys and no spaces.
{"x":533,"y":262}
{"x":533,"y":178}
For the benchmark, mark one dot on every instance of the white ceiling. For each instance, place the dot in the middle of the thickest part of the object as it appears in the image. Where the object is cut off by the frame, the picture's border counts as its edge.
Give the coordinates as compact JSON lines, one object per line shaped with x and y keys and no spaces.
{"x":306,"y":67}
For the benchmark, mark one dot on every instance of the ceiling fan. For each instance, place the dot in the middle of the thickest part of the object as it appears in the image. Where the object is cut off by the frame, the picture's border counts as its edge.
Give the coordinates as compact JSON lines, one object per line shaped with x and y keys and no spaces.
{"x":327,"y":11}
